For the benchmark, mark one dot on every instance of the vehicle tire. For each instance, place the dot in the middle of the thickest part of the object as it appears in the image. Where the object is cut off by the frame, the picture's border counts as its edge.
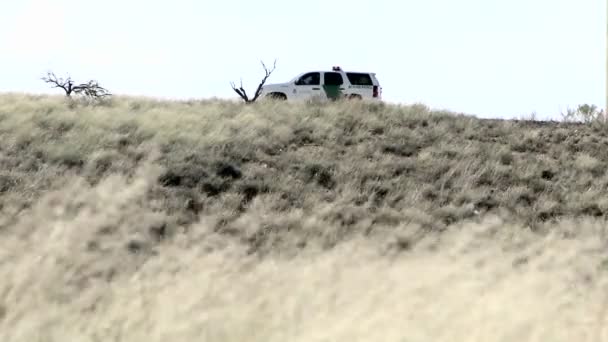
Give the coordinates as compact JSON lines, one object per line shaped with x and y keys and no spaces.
{"x":354,"y":97}
{"x":277,"y":96}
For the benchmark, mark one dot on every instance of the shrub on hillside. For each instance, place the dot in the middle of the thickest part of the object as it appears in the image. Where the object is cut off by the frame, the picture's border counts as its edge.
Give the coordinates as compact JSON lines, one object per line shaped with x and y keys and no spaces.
{"x":585,"y":113}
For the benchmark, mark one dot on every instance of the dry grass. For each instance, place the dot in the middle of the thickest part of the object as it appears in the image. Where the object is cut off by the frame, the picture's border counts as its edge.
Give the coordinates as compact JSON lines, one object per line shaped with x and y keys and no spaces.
{"x":142,"y":220}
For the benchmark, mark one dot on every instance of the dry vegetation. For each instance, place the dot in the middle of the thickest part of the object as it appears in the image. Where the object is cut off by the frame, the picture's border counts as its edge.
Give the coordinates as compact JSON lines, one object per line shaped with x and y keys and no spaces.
{"x":141,"y":220}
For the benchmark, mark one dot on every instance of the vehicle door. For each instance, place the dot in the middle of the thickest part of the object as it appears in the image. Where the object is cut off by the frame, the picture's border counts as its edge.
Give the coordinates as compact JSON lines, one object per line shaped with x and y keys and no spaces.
{"x":333,"y":85}
{"x":308,"y":86}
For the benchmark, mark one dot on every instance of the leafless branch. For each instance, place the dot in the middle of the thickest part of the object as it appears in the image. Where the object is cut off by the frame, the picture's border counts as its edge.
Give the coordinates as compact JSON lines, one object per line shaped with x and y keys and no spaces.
{"x":243,"y":94}
{"x":66,"y":85}
{"x":91,"y":89}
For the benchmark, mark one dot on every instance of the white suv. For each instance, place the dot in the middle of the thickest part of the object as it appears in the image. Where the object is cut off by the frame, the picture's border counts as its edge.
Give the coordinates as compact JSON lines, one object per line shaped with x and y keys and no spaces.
{"x":326,"y":85}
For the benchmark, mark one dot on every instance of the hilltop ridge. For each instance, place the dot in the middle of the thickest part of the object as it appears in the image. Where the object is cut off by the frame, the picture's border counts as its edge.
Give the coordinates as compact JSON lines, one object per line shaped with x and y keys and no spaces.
{"x":371,"y":159}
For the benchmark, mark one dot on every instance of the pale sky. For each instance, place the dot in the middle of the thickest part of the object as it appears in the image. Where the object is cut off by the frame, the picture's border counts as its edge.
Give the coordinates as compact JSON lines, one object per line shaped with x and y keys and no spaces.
{"x":491,"y":58}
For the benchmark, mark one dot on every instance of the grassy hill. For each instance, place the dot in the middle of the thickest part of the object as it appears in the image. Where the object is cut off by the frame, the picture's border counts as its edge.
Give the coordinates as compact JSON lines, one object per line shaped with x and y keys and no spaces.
{"x":144,"y":220}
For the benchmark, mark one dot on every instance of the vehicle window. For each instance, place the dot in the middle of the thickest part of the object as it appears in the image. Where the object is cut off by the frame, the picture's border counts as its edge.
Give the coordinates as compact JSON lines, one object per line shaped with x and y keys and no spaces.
{"x":333,"y":78}
{"x":312,"y":78}
{"x":359,"y":79}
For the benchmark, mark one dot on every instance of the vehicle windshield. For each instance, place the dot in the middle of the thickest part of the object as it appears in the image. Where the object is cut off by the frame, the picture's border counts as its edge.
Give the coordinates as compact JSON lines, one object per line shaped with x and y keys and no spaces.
{"x":296,"y":77}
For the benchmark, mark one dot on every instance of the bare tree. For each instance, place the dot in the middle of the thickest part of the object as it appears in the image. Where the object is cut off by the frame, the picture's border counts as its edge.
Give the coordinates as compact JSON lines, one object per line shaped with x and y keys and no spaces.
{"x":243,"y":94}
{"x":91,"y":89}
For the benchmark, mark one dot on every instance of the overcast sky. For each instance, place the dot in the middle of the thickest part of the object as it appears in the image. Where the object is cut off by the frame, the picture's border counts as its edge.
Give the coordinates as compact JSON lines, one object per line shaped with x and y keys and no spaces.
{"x":492,"y":58}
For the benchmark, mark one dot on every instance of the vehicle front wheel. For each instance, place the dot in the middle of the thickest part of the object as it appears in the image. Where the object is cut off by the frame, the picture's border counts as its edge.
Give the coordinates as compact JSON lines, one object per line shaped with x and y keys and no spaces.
{"x":277,"y":96}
